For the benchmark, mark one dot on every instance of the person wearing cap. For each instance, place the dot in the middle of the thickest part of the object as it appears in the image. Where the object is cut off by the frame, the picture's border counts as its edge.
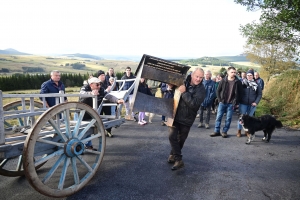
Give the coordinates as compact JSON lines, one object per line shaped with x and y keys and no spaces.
{"x":54,"y":85}
{"x":128,"y":75}
{"x":229,"y":94}
{"x":94,"y":87}
{"x":251,"y":96}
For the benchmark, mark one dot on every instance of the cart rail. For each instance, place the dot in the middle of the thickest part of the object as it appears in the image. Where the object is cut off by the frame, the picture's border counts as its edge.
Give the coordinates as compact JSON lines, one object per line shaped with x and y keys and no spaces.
{"x":32,"y":111}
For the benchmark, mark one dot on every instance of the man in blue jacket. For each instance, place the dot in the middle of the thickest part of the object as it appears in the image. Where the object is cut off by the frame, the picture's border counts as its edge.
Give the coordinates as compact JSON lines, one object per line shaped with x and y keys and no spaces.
{"x":259,"y":80}
{"x":210,"y":92}
{"x":54,"y":85}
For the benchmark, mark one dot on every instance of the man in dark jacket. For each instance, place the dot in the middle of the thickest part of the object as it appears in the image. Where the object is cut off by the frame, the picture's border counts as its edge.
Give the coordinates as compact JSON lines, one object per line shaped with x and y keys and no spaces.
{"x":210,"y":90}
{"x":94,"y":87}
{"x":192,"y":95}
{"x":229,"y":94}
{"x":128,"y":75}
{"x":104,"y":84}
{"x":54,"y":85}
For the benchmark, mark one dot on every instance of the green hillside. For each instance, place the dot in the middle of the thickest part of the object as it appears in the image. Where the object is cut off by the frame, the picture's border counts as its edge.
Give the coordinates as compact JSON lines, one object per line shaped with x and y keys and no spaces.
{"x":204,"y":61}
{"x":240,"y":58}
{"x":11,"y":64}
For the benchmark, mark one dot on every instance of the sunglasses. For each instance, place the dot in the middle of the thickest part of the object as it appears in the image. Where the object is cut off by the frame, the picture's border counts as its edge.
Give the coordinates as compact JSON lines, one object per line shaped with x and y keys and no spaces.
{"x":97,"y":84}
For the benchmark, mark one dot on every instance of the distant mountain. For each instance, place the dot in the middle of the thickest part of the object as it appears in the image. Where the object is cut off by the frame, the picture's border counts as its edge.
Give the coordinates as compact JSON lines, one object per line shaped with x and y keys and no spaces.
{"x":12,"y":52}
{"x":88,"y":56}
{"x":239,"y":58}
{"x":136,"y":58}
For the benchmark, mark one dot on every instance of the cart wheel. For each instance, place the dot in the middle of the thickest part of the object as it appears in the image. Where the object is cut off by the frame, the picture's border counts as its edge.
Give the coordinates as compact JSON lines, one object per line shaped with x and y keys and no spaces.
{"x":13,"y":167}
{"x":70,"y":165}
{"x":22,"y":121}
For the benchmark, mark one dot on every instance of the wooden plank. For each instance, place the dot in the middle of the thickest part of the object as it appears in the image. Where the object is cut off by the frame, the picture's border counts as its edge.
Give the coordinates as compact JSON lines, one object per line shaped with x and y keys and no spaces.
{"x":177,"y":96}
{"x":23,"y":115}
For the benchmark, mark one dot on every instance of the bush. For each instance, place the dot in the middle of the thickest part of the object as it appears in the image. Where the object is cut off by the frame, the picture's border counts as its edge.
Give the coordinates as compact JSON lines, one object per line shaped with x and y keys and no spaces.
{"x":281,"y":97}
{"x":78,"y":65}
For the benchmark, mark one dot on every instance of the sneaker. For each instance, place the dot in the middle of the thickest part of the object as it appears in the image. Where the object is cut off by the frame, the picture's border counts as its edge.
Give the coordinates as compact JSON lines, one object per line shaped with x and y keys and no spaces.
{"x":171,"y":159}
{"x":200,"y":125}
{"x":141,"y":123}
{"x":207,"y":126}
{"x":135,"y":119}
{"x":197,"y":116}
{"x":109,"y":134}
{"x":224,"y":135}
{"x":178,"y":164}
{"x":150,"y":122}
{"x":214,"y":134}
{"x":163,"y":123}
{"x":144,"y":121}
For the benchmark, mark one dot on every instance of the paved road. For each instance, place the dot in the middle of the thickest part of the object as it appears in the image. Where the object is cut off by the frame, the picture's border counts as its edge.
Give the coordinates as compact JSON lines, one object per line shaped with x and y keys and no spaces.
{"x":135,"y":167}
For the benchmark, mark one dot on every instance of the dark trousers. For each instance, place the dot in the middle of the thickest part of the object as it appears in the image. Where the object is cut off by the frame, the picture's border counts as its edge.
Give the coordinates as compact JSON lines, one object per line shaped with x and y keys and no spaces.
{"x":177,"y":136}
{"x":201,"y":112}
{"x":107,"y":111}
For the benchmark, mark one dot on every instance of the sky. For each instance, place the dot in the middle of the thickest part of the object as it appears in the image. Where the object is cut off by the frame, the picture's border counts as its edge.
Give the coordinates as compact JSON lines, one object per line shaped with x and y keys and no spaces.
{"x":161,"y":28}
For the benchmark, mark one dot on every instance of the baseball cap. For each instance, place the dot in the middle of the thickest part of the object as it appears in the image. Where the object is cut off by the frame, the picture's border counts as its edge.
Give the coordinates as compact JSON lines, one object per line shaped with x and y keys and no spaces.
{"x":94,"y":80}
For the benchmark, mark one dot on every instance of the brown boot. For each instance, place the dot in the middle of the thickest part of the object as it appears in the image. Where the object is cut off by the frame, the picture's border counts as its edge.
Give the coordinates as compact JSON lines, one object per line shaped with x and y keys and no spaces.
{"x":239,"y":133}
{"x":171,"y":159}
{"x":178,"y":164}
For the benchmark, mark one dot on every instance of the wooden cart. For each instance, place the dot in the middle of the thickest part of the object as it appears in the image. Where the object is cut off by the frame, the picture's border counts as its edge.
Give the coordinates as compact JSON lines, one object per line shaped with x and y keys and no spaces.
{"x":49,"y":145}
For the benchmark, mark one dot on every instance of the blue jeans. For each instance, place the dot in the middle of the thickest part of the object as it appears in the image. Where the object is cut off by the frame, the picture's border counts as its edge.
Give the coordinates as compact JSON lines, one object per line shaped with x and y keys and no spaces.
{"x":245,"y":109}
{"x":113,"y":110}
{"x":223,"y":108}
{"x":89,"y":143}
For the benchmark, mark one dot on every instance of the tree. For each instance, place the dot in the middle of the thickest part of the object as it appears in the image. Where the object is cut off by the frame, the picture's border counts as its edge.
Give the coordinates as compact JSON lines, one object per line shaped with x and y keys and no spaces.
{"x":273,"y":58}
{"x":279,"y":23}
{"x":278,"y":11}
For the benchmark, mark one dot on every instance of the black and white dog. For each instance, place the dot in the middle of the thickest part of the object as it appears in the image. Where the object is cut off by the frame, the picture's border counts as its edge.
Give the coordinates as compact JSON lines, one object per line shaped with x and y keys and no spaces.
{"x":265,"y":123}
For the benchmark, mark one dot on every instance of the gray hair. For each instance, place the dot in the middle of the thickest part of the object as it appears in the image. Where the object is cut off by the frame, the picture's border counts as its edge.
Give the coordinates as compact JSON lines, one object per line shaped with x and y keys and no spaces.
{"x":54,"y":71}
{"x":208,"y":71}
{"x":198,"y":69}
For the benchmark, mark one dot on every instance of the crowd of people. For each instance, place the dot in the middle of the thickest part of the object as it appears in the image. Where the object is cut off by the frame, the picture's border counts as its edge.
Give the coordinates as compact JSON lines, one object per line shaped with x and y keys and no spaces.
{"x":201,"y":94}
